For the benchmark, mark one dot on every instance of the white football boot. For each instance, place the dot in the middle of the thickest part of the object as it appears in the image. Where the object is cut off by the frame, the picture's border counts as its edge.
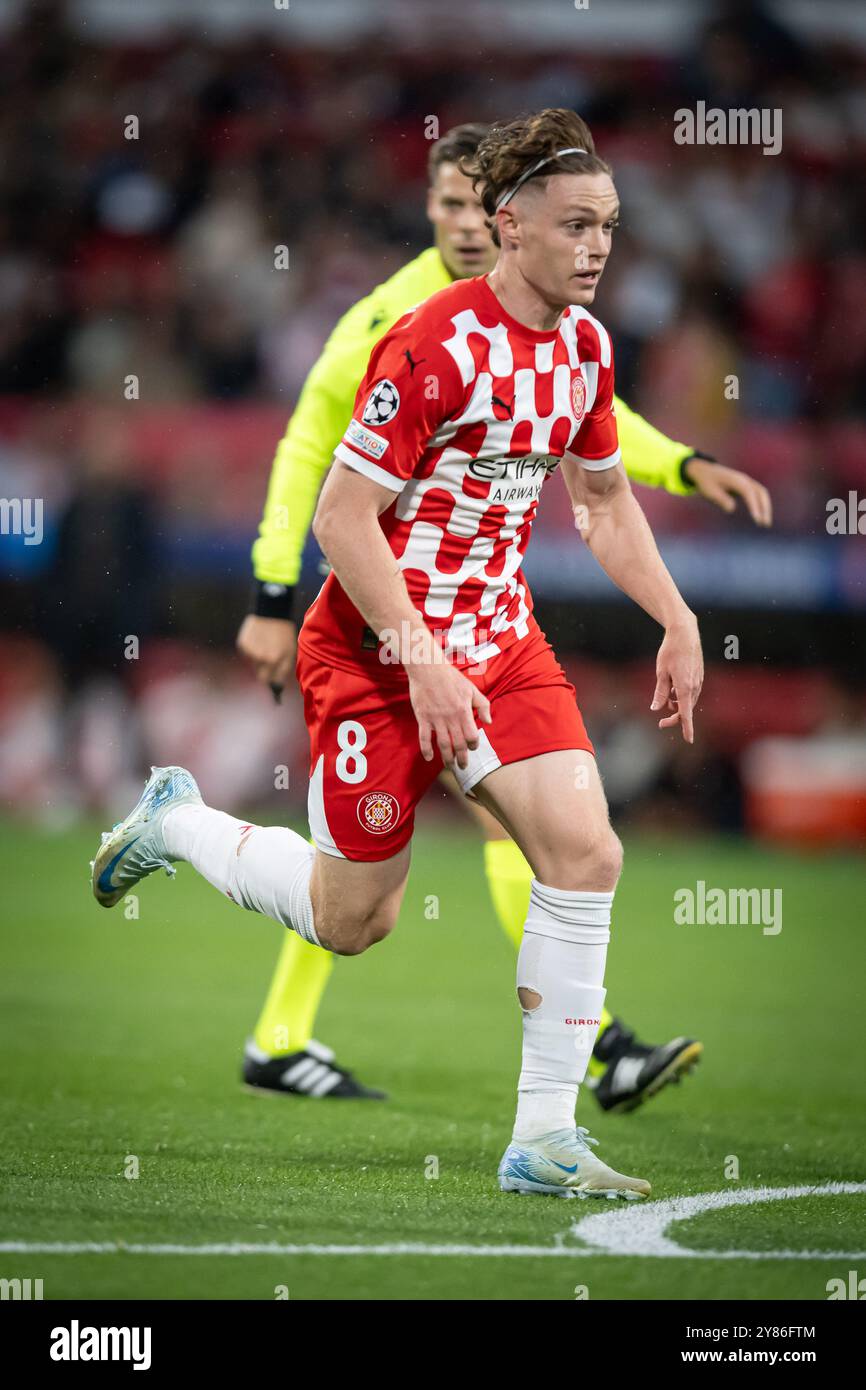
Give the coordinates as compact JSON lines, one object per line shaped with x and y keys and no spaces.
{"x":134,"y":848}
{"x":563,"y":1164}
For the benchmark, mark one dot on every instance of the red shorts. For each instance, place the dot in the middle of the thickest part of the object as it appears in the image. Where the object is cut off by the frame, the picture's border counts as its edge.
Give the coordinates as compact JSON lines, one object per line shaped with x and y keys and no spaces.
{"x":367,"y":774}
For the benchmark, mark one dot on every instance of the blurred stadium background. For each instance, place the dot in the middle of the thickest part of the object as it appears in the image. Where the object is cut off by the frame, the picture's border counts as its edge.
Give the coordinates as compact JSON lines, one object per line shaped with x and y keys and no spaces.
{"x":262,"y":126}
{"x":305,"y":126}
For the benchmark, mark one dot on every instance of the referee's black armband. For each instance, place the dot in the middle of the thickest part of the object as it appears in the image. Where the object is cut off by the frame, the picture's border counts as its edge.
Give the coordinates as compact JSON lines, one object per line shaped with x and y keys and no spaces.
{"x":270,"y":600}
{"x":695,"y":454}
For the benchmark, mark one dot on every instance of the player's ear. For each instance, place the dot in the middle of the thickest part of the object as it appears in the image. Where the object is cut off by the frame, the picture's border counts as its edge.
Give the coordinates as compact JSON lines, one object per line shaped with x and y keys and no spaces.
{"x":508,"y":224}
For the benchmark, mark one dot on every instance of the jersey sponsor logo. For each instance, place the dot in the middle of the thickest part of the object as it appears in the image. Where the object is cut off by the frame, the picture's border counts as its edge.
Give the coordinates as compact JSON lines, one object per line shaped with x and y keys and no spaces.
{"x":492,"y":470}
{"x":578,"y":397}
{"x":383,"y":403}
{"x":378,"y":812}
{"x":365,"y":439}
{"x":530,"y":493}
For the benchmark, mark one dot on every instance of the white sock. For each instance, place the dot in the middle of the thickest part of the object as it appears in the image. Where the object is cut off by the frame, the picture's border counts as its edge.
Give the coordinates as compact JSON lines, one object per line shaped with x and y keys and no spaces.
{"x":265,"y":868}
{"x":562,"y":958}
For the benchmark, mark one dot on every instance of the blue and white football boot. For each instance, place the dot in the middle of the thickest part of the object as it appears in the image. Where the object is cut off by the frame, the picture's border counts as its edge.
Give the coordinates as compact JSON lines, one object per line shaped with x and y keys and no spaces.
{"x":562,"y":1164}
{"x":134,"y":848}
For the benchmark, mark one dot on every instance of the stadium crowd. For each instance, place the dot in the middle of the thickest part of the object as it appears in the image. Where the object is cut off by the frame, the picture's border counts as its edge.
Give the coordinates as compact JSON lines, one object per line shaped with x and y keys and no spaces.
{"x":197,"y":215}
{"x":140,"y":228}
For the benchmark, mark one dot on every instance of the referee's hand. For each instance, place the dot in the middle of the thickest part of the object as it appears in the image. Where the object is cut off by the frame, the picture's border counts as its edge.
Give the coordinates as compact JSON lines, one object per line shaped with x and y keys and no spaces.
{"x":270,"y":645}
{"x":724,"y":487}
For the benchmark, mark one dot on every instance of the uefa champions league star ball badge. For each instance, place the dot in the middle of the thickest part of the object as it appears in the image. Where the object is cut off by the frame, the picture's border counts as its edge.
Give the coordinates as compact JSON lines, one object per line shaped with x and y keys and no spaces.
{"x":383,"y":403}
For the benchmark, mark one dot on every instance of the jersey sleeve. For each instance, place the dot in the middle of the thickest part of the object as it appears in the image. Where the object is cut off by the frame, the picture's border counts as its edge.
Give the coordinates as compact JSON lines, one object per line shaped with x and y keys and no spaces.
{"x":595,"y":444}
{"x":306,"y":450}
{"x":412,"y":384}
{"x":648,"y":456}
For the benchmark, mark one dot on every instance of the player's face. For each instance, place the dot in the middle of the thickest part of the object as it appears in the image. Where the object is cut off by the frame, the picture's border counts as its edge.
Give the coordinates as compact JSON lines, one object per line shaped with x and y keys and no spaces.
{"x":461,"y":237}
{"x":563,"y":232}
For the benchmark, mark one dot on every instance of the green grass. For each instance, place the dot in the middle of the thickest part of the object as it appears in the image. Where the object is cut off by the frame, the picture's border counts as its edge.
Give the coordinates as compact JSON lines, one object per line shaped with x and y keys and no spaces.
{"x":123,"y":1038}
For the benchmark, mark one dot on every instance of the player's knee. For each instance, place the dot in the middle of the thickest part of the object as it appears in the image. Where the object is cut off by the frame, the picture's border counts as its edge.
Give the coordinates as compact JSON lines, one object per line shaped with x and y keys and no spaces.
{"x":353,"y":936}
{"x":594,"y":865}
{"x":606,"y":861}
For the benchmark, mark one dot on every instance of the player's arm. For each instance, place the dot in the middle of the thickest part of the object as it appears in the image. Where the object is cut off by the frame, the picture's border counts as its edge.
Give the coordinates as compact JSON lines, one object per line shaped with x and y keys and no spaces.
{"x":651,"y":458}
{"x":372,"y":466}
{"x":619,"y":537}
{"x":618,"y":534}
{"x":347,"y":528}
{"x":268,"y":635}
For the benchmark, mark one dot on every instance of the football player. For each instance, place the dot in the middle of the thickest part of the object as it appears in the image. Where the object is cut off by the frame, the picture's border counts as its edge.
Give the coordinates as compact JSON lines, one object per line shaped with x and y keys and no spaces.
{"x":421,"y":651}
{"x":283,"y":1055}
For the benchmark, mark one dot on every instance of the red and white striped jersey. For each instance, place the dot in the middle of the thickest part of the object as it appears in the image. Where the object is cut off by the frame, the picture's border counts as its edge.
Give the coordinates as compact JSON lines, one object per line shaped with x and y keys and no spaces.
{"x":463,"y":414}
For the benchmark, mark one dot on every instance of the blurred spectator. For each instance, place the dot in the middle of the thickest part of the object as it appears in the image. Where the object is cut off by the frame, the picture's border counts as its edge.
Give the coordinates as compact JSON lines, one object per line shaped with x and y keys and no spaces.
{"x":155,"y":254}
{"x":146,"y":188}
{"x":96,"y":612}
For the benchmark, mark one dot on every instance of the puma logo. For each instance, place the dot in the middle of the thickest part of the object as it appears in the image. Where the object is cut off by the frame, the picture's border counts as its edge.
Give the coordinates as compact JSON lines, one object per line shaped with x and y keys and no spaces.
{"x":412,"y":363}
{"x":509,"y":409}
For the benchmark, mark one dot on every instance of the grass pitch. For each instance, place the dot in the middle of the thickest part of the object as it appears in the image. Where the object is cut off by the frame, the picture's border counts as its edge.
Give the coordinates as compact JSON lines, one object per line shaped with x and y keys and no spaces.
{"x":121,"y":1041}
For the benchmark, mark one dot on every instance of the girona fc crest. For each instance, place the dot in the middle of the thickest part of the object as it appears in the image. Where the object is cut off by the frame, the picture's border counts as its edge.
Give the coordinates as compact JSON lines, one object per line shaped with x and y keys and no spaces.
{"x":378,"y":812}
{"x":578,"y":397}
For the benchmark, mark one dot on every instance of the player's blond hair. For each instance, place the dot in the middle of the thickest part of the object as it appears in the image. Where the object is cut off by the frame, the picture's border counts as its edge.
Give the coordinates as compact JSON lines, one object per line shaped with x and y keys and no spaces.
{"x":509,"y":151}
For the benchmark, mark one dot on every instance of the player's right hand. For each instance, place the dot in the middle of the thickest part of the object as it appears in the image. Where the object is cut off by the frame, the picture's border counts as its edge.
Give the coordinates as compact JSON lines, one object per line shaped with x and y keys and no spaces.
{"x":679,"y":677}
{"x":270,"y":644}
{"x":445,"y":701}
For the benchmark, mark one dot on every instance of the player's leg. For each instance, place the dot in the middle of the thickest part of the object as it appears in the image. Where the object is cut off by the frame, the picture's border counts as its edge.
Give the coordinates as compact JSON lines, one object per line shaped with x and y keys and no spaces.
{"x":342,"y":892}
{"x":342,"y":906}
{"x":283,"y":1057}
{"x":554,"y":807}
{"x":505,"y":868}
{"x":534,"y":770}
{"x":509,"y":880}
{"x":344,"y":713}
{"x":326,"y":898}
{"x":287,"y":1020}
{"x":623,"y":1071}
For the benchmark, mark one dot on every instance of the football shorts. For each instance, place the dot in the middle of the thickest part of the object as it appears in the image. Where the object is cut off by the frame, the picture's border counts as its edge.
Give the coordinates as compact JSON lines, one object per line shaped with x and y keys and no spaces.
{"x":367,"y":773}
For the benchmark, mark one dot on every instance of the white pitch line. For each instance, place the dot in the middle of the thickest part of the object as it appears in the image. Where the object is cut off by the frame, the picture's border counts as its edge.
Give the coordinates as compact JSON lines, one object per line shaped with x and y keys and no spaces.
{"x":641,"y":1231}
{"x":630,"y":1230}
{"x":20,"y":1247}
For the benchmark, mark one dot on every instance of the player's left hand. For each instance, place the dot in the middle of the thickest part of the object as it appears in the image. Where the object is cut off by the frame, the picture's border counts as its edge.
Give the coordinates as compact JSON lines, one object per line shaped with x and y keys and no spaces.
{"x":679,"y":676}
{"x":722,"y":486}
